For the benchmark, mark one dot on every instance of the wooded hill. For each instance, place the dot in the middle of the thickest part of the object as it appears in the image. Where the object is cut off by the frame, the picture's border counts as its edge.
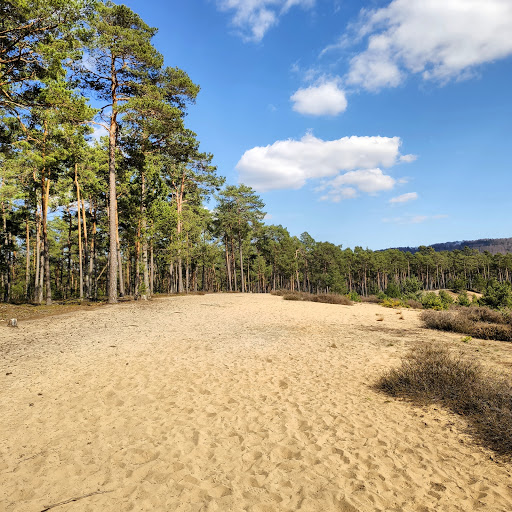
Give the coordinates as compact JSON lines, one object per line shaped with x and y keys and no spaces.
{"x":491,"y":245}
{"x":126,"y":215}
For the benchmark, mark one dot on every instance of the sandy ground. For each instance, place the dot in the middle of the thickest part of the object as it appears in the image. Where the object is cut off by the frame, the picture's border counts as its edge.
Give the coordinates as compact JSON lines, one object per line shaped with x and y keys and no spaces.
{"x":230,"y":403}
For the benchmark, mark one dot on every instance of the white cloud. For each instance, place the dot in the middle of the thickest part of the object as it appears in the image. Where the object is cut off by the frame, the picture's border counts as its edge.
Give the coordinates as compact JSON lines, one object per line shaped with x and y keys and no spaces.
{"x":291,"y":163}
{"x":370,"y":181}
{"x":98,"y":132}
{"x":325,"y":98}
{"x":404,"y":198}
{"x":439,"y":39}
{"x":408,"y":158}
{"x":254,"y":17}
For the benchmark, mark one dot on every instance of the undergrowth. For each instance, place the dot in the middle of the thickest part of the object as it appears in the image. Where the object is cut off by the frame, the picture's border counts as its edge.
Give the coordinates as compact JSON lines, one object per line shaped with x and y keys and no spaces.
{"x":326,"y":298}
{"x":479,"y":322}
{"x":433,"y":374}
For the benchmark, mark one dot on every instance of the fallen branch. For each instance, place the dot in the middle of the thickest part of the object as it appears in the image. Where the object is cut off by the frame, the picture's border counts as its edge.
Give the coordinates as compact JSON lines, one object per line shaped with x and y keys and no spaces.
{"x":74,"y":499}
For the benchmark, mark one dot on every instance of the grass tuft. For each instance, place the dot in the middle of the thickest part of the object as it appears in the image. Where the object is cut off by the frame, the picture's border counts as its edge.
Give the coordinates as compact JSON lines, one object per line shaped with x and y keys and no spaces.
{"x":432,"y":374}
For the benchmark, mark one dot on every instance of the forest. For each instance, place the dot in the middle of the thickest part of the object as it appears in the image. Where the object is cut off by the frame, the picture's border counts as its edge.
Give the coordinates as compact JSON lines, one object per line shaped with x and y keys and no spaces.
{"x":128,"y":214}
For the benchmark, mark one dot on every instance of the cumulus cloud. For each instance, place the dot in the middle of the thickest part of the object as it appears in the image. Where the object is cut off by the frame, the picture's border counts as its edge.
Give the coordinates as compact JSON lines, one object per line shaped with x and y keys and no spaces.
{"x":370,"y":181}
{"x":352,"y":163}
{"x":439,"y":39}
{"x":404,"y":198}
{"x":255,"y":17}
{"x":324,"y":98}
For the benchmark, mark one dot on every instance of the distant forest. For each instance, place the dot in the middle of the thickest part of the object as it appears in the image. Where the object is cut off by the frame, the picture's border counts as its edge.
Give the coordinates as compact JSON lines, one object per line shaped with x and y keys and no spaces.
{"x":126,"y":214}
{"x":491,"y":245}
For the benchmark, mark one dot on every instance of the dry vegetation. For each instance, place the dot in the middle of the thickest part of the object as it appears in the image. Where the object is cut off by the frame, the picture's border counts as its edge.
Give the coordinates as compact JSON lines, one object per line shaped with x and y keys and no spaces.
{"x":325,"y":298}
{"x":30,"y":311}
{"x":479,"y":322}
{"x":433,"y":374}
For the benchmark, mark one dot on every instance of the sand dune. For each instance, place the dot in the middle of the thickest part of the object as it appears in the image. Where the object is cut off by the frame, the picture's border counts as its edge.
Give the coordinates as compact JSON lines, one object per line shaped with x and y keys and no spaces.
{"x":230,"y":403}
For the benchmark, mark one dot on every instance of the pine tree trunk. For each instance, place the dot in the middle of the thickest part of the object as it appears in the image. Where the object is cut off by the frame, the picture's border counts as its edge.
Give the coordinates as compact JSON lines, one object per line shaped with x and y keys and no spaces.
{"x":27,"y":262}
{"x":37,"y":258}
{"x":86,"y":254}
{"x":92,"y":259}
{"x":46,"y":246}
{"x":242,"y":284}
{"x":112,"y":271}
{"x":80,"y":261}
{"x":119,"y":257}
{"x":152,"y":274}
{"x":228,"y":267}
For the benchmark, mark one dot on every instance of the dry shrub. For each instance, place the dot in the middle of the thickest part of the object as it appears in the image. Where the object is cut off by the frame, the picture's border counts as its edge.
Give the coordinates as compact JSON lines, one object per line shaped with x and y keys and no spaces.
{"x":432,"y":374}
{"x":482,"y":314}
{"x":480,"y":322}
{"x":414,"y":304}
{"x":328,"y":298}
{"x":325,"y":298}
{"x":279,"y":293}
{"x":487,"y":331}
{"x":373,"y":299}
{"x":293,"y":296}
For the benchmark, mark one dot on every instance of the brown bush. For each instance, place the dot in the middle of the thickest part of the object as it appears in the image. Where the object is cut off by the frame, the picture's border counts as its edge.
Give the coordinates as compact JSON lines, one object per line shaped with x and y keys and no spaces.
{"x":483,"y":314}
{"x":479,"y":322}
{"x":328,"y":298}
{"x":433,"y":374}
{"x":325,"y":298}
{"x":414,"y":304}
{"x":292,"y":296}
{"x":487,"y":331}
{"x":373,"y":299}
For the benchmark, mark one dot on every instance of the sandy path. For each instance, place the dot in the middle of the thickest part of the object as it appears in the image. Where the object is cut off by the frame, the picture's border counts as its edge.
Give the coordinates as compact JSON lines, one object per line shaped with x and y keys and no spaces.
{"x":229,"y":403}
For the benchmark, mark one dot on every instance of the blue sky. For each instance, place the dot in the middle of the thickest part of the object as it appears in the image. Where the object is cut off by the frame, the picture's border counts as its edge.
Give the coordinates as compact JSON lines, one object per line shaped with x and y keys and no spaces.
{"x":363,"y":122}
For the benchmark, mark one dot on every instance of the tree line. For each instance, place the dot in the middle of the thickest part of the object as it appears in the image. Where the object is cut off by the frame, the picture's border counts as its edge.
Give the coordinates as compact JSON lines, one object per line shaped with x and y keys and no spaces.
{"x":127,"y":214}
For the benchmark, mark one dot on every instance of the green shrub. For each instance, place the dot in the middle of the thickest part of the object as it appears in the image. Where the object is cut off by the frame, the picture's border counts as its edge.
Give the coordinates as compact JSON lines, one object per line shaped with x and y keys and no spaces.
{"x":392,"y":303}
{"x":446,"y":299}
{"x":412,"y":285}
{"x":353,"y":296}
{"x":497,"y":295}
{"x":393,"y":290}
{"x":463,"y":299}
{"x":432,"y":301}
